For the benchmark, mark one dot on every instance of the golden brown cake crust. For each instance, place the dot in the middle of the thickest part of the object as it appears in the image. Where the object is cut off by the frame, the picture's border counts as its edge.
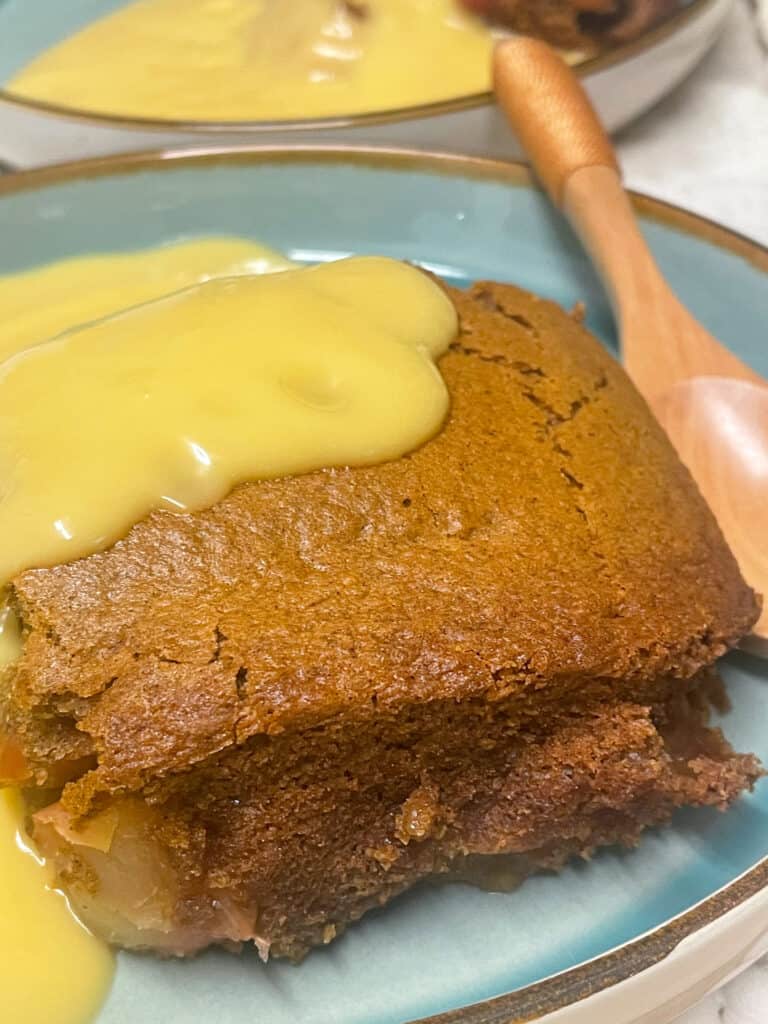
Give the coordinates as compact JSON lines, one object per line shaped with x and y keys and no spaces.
{"x":546,"y":536}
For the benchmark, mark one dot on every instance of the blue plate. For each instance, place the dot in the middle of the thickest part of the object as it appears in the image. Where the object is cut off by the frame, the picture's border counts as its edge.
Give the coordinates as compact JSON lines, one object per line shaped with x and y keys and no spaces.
{"x":437,"y":948}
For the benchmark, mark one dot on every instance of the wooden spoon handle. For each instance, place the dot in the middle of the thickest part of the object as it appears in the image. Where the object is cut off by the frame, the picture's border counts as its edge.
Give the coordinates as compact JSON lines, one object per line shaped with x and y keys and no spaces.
{"x":556,"y":123}
{"x":550,"y":113}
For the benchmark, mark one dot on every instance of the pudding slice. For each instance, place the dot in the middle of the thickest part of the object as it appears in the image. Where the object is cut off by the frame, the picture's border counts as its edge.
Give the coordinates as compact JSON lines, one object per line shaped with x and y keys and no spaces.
{"x":254,"y":723}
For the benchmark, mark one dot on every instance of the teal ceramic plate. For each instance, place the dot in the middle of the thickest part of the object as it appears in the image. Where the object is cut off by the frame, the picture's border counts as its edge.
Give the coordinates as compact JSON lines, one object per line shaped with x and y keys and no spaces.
{"x":437,"y":949}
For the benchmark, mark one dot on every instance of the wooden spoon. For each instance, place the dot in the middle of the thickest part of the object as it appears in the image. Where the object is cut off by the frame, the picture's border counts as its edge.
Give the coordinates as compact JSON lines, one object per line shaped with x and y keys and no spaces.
{"x":713,"y":406}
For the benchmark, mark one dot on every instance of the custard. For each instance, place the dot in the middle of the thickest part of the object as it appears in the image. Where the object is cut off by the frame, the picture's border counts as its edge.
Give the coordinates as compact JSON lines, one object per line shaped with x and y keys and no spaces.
{"x":246,"y":60}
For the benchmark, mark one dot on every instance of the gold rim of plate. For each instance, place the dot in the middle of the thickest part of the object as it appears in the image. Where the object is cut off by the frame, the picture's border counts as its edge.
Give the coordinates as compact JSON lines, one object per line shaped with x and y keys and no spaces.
{"x":587,"y":65}
{"x":577,"y":983}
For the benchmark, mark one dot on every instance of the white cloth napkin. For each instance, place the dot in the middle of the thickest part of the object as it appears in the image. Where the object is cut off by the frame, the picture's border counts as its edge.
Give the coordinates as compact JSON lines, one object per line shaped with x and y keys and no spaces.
{"x":705,"y":147}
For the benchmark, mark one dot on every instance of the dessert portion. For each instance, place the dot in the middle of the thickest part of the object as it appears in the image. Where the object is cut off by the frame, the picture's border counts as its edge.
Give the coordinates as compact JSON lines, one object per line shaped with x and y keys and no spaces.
{"x":254,"y":723}
{"x":245,"y":60}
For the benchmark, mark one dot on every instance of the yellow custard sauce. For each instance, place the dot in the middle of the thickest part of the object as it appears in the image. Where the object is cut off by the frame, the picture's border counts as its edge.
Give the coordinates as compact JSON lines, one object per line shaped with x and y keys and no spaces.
{"x":237,"y":60}
{"x":54,"y":971}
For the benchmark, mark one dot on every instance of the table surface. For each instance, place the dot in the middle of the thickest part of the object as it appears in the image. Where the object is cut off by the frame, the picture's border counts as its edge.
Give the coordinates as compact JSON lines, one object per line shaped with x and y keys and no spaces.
{"x":706,"y":148}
